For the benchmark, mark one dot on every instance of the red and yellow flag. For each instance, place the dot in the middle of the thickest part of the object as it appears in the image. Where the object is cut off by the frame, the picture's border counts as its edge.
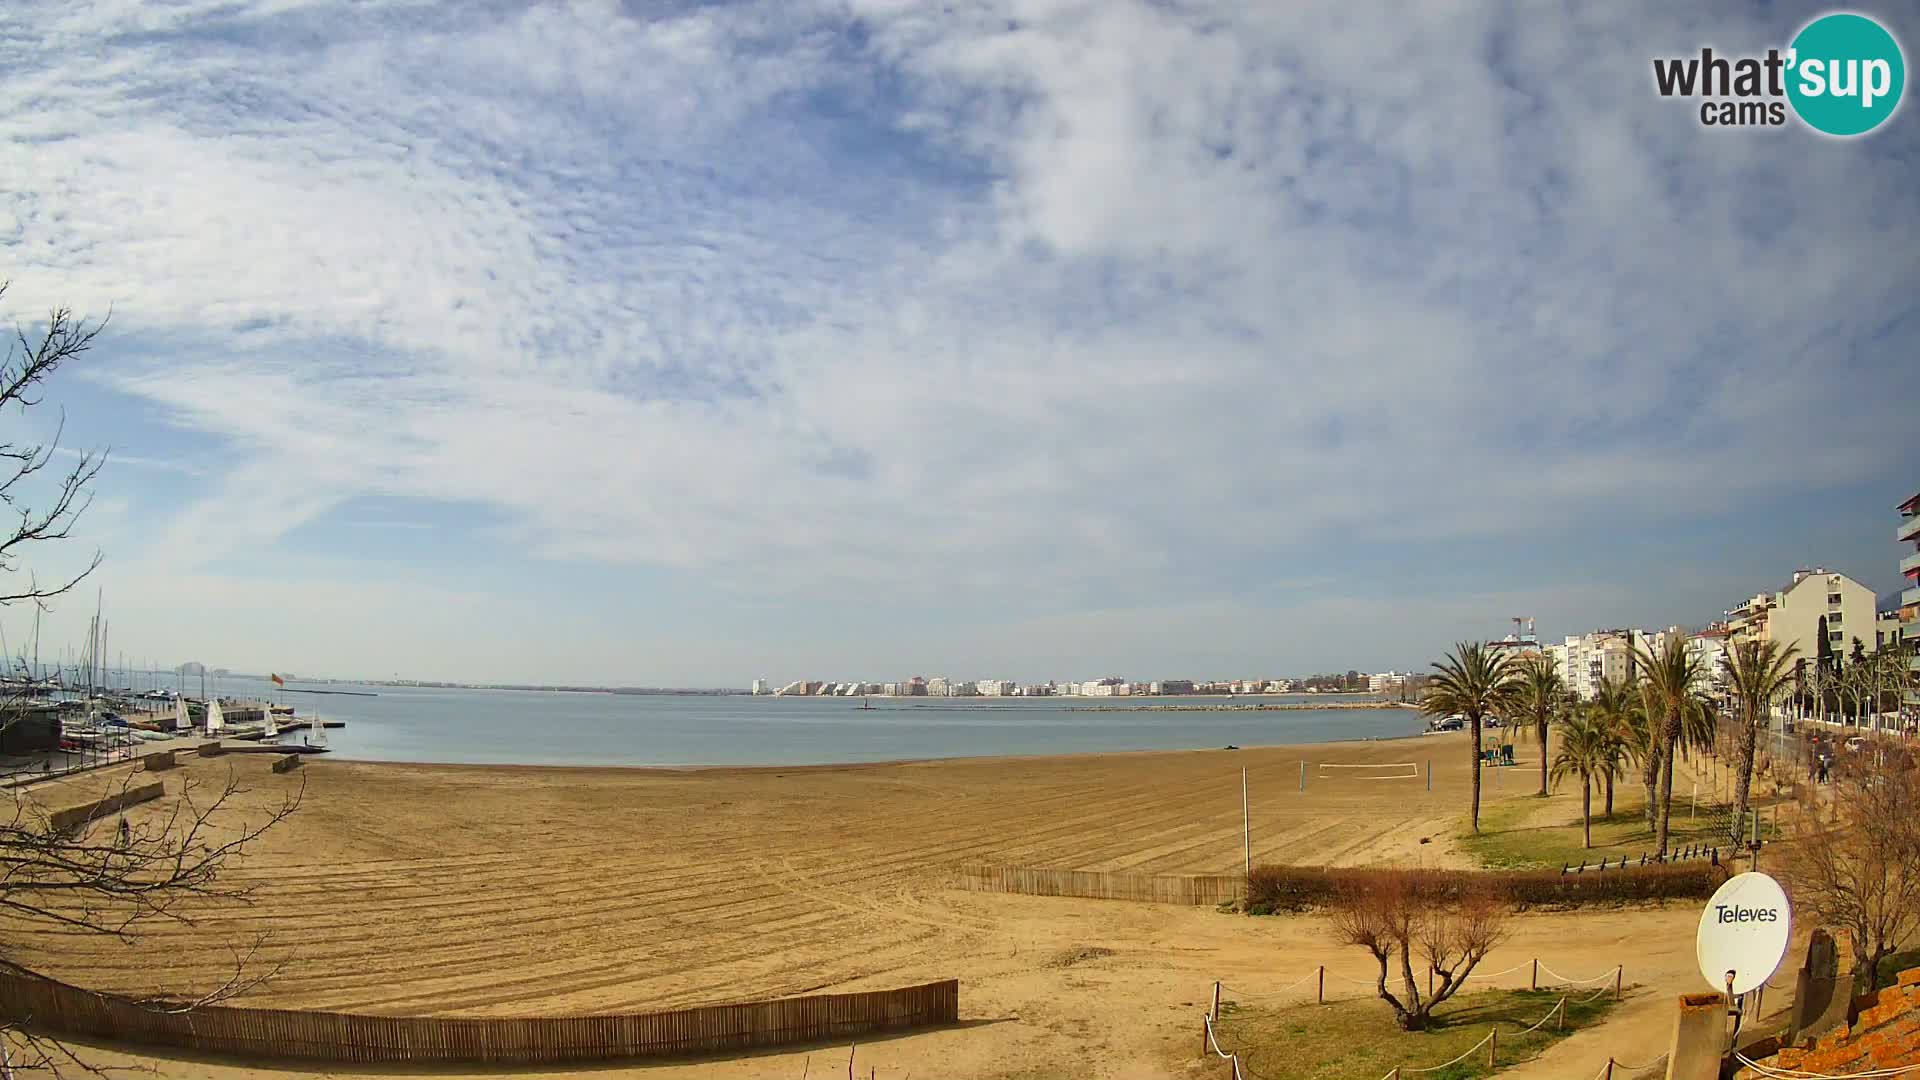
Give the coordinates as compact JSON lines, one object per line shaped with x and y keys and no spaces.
{"x":277,"y":680}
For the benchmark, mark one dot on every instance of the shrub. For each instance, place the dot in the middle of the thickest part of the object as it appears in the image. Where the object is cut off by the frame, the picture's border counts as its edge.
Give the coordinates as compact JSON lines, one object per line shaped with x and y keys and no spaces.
{"x":1273,"y":889}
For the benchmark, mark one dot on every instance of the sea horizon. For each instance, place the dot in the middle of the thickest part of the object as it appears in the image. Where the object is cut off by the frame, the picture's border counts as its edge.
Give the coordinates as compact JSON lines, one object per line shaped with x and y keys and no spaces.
{"x":438,"y":725}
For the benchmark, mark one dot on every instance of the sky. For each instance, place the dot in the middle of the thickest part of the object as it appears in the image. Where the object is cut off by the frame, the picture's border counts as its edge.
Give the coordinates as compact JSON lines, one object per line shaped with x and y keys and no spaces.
{"x":655,"y":344}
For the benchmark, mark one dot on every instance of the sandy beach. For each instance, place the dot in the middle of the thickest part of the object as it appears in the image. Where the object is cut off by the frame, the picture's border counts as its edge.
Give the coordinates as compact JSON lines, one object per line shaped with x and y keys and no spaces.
{"x":479,"y":891}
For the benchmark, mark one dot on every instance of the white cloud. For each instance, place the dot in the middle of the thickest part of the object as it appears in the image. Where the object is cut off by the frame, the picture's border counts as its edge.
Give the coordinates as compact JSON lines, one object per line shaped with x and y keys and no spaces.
{"x":1062,"y":298}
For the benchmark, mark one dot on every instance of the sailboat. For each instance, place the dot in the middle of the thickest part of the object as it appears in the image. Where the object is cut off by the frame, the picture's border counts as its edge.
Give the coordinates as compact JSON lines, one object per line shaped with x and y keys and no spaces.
{"x":316,"y":733}
{"x":216,"y":724}
{"x":180,"y":721}
{"x":271,"y":730}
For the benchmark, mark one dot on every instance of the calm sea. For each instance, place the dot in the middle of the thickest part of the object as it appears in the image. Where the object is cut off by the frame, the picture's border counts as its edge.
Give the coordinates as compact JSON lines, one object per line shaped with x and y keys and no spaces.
{"x":541,"y":728}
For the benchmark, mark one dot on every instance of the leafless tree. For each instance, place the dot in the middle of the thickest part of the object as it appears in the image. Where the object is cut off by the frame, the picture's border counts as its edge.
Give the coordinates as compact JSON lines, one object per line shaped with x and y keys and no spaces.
{"x":29,"y":361}
{"x":1397,"y":921}
{"x":107,"y":875}
{"x":1857,"y":866}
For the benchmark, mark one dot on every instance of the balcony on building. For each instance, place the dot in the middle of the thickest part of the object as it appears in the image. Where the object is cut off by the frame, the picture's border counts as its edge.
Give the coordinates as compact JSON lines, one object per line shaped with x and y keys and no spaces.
{"x":1910,"y":565}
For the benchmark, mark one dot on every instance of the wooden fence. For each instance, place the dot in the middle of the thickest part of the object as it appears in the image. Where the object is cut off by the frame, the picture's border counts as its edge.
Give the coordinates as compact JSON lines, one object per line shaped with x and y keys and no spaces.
{"x":54,"y":1007}
{"x":1205,"y":890}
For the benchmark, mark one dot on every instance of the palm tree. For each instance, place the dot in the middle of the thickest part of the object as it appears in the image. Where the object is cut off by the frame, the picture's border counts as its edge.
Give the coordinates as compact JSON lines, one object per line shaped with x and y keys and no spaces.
{"x":1586,"y":750}
{"x":1758,"y":674}
{"x":1643,"y":741}
{"x":1617,"y":708}
{"x":1539,"y":696}
{"x":1669,"y":689}
{"x":1474,"y":682}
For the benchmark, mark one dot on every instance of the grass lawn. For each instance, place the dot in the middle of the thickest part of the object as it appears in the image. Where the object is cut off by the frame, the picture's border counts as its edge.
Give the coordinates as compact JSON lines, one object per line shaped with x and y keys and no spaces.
{"x":1357,"y":1037}
{"x":1513,"y":837}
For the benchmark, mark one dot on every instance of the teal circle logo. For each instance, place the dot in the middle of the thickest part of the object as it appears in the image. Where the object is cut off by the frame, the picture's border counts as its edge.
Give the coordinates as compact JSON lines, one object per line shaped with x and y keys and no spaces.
{"x":1846,"y":74}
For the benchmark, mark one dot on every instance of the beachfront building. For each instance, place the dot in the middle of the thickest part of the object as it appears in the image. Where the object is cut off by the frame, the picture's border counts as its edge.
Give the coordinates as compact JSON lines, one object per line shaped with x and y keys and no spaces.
{"x":1557,"y":656}
{"x":759,"y":687}
{"x":1587,"y":660}
{"x":796,"y":688}
{"x":1388,"y":682}
{"x":1886,"y":630}
{"x":1815,"y":600}
{"x":1709,"y":649}
{"x":1909,"y":611}
{"x":996,"y":687}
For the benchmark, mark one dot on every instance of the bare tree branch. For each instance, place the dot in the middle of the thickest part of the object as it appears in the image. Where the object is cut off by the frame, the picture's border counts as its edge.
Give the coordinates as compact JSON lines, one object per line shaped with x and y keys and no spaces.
{"x":27,"y":364}
{"x":1857,"y":868}
{"x":1391,"y":916}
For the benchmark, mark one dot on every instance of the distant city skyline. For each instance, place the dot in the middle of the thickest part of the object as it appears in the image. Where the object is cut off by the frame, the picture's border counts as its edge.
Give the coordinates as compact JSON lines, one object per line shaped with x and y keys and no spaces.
{"x":605,"y":344}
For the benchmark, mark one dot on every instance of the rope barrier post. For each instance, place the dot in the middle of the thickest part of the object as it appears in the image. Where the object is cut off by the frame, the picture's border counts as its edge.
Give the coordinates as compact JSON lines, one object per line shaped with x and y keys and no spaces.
{"x":1303,"y":774}
{"x":1204,"y":1033}
{"x":1561,"y":1024}
{"x":1493,"y":1045}
{"x":1536,"y":974}
{"x":1320,"y":995}
{"x":1618,"y":969}
{"x":1214,"y":1014}
{"x":1609,"y":1075}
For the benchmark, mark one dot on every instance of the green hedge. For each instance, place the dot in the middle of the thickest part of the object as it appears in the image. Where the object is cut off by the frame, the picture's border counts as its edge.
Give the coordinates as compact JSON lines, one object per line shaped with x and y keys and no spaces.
{"x":1300,"y":888}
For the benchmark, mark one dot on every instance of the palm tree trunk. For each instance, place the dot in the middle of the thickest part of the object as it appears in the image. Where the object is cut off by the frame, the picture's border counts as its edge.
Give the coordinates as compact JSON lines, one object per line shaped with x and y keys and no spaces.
{"x":1743,"y":780}
{"x":1650,"y":774}
{"x":1586,"y":809}
{"x":1609,"y":796}
{"x":1540,"y":730}
{"x":1475,"y":747}
{"x":1670,"y":738}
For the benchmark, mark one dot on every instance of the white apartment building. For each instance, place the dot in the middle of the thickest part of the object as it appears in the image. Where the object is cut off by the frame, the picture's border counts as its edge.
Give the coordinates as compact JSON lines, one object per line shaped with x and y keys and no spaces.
{"x":1387,"y":682}
{"x":1587,"y":660}
{"x":759,"y":687}
{"x":1709,"y":650}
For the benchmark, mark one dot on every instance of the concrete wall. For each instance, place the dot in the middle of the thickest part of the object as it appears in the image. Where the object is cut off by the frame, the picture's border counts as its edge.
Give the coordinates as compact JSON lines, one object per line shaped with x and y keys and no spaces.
{"x":1885,"y":1033}
{"x":74,"y":816}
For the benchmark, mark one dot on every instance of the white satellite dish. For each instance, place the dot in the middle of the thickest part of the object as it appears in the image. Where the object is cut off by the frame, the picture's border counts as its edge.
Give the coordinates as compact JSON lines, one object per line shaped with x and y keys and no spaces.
{"x":1744,"y":932}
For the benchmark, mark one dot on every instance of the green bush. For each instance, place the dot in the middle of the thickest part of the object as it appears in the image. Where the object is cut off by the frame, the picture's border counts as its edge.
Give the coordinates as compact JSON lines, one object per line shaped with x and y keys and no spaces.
{"x":1273,"y":889}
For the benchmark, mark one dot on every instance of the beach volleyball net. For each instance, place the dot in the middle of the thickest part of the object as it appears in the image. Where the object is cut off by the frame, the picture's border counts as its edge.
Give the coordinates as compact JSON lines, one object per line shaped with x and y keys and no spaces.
{"x":1393,"y":770}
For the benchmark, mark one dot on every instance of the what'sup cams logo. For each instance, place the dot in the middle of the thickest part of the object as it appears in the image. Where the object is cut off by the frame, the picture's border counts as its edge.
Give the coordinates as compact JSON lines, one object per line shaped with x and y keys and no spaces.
{"x":1844,"y":74}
